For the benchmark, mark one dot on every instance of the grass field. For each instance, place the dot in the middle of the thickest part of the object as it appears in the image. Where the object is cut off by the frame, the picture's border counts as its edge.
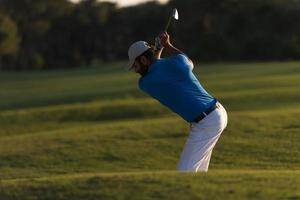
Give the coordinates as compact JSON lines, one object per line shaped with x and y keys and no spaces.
{"x":91,"y":134}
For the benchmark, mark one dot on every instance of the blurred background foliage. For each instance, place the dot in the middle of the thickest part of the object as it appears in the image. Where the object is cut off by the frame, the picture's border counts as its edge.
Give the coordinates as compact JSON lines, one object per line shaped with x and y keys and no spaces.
{"x":46,"y":34}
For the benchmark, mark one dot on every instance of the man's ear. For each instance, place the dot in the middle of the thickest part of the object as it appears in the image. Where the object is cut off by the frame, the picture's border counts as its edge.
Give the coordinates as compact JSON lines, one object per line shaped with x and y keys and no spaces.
{"x":144,"y":60}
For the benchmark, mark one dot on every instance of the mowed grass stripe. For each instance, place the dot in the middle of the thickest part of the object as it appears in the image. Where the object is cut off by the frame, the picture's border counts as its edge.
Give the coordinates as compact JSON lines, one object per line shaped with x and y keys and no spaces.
{"x":167,"y":173}
{"x":98,"y":127}
{"x":162,"y":117}
{"x":128,"y":108}
{"x":247,"y":70}
{"x":167,"y":185}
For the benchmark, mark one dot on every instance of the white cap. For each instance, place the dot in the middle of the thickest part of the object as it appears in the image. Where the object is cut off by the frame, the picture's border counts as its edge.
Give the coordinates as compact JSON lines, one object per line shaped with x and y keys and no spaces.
{"x":135,"y":50}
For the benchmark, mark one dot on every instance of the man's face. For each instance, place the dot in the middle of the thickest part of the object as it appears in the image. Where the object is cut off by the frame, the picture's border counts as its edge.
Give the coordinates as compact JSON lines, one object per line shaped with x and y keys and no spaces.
{"x":141,"y":65}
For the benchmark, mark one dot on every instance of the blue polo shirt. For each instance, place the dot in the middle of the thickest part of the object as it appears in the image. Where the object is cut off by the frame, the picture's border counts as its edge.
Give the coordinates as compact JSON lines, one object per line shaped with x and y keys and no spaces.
{"x":172,"y":82}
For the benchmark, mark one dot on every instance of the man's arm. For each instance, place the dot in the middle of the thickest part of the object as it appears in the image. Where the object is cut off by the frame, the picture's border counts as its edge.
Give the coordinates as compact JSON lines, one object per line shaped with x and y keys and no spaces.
{"x":157,"y":53}
{"x":165,"y":42}
{"x":157,"y":48}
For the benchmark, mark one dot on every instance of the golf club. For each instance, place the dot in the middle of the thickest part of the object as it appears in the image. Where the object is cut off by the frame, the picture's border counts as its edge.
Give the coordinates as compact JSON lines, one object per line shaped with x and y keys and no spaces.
{"x":173,"y":16}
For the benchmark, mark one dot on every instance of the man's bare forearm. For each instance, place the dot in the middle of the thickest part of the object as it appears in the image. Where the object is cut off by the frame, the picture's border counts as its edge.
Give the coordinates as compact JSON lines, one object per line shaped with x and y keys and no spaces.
{"x":157,"y":53}
{"x":173,"y":50}
{"x":170,"y":49}
{"x":165,"y":42}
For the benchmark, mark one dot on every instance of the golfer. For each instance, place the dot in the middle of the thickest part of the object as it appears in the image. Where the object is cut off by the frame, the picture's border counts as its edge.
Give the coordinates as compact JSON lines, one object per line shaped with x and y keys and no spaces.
{"x":171,"y":81}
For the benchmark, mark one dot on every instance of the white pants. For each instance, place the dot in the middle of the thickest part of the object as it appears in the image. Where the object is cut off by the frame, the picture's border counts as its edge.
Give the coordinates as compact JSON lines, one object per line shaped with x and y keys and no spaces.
{"x":203,"y":137}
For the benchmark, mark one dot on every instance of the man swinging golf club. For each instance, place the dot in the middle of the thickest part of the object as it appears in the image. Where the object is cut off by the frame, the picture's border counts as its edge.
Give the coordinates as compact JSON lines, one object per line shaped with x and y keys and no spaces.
{"x":171,"y":81}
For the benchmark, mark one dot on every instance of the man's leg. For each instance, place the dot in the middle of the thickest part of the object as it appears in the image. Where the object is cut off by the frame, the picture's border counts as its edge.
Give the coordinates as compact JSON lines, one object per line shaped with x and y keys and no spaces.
{"x":203,"y":165}
{"x":201,"y":141}
{"x":197,"y":153}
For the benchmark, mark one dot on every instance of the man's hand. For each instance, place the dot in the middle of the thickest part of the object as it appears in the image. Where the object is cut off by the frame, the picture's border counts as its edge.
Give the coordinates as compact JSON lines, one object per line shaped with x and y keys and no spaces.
{"x":164,"y":39}
{"x":165,"y":42}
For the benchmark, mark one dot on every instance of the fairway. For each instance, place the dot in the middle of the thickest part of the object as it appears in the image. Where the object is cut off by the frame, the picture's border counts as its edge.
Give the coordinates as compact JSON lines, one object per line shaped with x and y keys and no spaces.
{"x":91,"y":134}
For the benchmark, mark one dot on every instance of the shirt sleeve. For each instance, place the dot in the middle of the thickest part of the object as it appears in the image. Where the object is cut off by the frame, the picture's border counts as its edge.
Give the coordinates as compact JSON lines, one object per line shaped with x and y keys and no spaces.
{"x":183,"y":61}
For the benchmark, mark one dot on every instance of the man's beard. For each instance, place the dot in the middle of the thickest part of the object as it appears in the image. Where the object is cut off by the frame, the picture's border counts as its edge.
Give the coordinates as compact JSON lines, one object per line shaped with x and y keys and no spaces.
{"x":143,"y":69}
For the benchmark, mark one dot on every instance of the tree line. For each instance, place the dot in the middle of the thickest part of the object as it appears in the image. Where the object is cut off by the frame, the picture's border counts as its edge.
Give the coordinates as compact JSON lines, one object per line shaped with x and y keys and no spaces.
{"x":46,"y":34}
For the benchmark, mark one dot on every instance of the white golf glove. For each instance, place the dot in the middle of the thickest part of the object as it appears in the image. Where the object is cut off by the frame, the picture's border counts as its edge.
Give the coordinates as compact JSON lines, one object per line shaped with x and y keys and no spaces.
{"x":157,"y":45}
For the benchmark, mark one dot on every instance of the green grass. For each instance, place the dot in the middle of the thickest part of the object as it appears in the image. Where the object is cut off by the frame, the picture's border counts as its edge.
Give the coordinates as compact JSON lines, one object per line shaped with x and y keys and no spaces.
{"x":91,"y":134}
{"x":229,"y":184}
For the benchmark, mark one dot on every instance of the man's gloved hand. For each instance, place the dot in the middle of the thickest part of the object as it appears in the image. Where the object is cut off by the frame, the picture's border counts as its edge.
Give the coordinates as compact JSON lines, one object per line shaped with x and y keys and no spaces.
{"x":157,"y":45}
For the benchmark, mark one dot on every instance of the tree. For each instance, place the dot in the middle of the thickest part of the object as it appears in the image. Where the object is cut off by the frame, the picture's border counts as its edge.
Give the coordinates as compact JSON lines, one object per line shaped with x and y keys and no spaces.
{"x":34,"y":19}
{"x":9,"y":39}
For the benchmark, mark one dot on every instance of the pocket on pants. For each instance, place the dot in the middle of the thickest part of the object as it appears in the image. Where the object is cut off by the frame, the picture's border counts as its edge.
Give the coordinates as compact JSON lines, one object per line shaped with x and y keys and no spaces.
{"x":211,"y":125}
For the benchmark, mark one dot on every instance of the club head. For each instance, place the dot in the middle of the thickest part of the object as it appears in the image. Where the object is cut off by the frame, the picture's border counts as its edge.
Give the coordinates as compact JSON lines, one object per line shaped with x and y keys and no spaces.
{"x":175,"y":14}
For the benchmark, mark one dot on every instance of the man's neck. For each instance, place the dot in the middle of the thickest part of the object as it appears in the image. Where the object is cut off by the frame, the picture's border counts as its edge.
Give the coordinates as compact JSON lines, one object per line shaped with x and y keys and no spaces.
{"x":152,"y":61}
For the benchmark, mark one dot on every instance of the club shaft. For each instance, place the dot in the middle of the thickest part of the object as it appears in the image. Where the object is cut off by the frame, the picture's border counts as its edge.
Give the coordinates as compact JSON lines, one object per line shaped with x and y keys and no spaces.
{"x":168,"y":24}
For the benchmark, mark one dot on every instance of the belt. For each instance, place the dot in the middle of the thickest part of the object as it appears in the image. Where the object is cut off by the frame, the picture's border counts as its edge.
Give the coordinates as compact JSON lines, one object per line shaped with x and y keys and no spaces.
{"x":205,"y":113}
